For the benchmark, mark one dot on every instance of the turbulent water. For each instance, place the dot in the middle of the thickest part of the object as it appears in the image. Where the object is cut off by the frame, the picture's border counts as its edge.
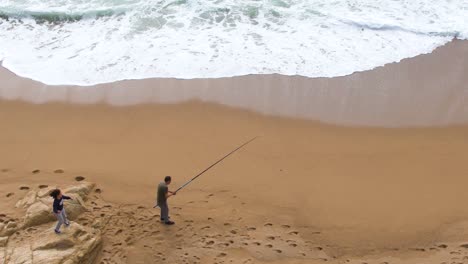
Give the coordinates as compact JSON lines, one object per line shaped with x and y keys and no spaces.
{"x":94,"y":41}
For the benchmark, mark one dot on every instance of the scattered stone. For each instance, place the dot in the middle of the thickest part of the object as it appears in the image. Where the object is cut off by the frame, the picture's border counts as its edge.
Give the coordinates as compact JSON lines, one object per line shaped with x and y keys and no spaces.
{"x":3,"y":241}
{"x":11,"y":225}
{"x":27,"y":200}
{"x":38,"y":214}
{"x":82,"y":190}
{"x":45,"y":193}
{"x":9,"y":229}
{"x":76,"y":244}
{"x":79,"y":178}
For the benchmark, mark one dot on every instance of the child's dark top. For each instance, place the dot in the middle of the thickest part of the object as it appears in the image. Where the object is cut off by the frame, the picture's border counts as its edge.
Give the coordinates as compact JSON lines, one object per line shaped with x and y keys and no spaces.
{"x":58,"y":203}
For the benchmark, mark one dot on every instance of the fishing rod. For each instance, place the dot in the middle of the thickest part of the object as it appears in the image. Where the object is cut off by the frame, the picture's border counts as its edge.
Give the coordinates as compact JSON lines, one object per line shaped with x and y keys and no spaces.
{"x":212,"y":165}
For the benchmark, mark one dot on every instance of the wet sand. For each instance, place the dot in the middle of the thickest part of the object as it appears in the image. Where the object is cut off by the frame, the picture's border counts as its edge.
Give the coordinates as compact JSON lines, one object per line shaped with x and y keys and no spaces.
{"x":302,"y":192}
{"x":426,"y":90}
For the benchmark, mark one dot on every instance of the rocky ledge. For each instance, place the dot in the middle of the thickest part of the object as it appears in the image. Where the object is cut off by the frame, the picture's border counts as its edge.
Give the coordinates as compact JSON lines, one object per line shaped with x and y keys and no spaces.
{"x":31,"y":239}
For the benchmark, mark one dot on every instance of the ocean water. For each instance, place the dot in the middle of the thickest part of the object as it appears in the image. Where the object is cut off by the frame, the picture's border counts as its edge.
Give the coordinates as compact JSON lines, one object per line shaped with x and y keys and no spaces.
{"x":86,"y":42}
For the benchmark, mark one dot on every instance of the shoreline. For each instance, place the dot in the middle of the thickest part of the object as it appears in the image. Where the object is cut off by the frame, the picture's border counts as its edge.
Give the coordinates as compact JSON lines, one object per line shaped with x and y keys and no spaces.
{"x":427,"y":90}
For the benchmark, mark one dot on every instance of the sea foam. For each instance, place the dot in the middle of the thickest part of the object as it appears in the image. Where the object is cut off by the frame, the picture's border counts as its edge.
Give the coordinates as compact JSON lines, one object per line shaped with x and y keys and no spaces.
{"x":98,"y":41}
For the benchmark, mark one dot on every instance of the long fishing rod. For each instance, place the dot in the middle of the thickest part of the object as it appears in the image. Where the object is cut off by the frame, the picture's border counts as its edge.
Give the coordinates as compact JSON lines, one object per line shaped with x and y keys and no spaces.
{"x":212,"y":165}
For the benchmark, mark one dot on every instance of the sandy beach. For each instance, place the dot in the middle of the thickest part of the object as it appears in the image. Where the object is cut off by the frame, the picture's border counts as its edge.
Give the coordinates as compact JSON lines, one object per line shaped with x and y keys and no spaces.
{"x":303,"y":192}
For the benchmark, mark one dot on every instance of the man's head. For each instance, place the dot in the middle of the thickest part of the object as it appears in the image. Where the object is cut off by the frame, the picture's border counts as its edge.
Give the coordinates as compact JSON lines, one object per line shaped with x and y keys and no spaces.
{"x":167,"y":180}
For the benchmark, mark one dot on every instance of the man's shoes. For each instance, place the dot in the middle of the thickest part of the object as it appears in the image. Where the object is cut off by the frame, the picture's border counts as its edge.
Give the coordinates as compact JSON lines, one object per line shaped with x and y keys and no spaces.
{"x":169,"y":223}
{"x":67,"y":224}
{"x":57,"y":231}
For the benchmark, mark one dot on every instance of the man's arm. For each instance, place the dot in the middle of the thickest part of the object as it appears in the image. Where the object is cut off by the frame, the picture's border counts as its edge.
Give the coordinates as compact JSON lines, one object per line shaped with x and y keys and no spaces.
{"x":66,"y":197}
{"x":169,"y":194}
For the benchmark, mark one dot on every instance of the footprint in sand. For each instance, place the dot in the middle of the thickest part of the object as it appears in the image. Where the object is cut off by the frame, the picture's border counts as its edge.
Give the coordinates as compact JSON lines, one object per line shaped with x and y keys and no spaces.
{"x":293,"y":245}
{"x":9,"y":194}
{"x":268,"y":224}
{"x":59,"y":171}
{"x":79,"y":178}
{"x":256,"y":243}
{"x":233,"y":232}
{"x":43,"y":186}
{"x":285,"y":226}
{"x":98,"y":190}
{"x":251,"y":228}
{"x":269,"y":245}
{"x":464,"y":246}
{"x":270,"y":237}
{"x":443,"y":246}
{"x":293,"y":233}
{"x":278,"y":251}
{"x":24,"y":188}
{"x":36,"y":171}
{"x":222,"y":254}
{"x":5,"y":170}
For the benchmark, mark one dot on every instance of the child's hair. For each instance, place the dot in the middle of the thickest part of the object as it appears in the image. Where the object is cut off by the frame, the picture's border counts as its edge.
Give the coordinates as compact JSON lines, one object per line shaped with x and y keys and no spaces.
{"x":55,"y":193}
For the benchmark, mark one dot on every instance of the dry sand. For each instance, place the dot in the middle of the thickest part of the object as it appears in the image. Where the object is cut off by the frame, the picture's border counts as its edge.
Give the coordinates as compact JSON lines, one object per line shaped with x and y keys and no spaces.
{"x":304,"y":192}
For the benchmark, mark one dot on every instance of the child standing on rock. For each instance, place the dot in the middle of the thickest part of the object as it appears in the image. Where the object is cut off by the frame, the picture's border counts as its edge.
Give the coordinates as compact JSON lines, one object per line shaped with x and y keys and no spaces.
{"x":59,"y":211}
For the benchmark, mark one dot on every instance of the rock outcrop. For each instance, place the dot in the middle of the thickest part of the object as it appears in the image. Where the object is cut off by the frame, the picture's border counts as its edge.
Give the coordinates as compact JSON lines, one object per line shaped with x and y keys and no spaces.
{"x":31,"y":239}
{"x":38,"y":204}
{"x":76,"y":244}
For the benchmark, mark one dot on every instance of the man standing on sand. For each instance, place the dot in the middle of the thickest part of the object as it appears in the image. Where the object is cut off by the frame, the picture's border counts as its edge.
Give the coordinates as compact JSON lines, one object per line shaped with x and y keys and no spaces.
{"x":163,"y":194}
